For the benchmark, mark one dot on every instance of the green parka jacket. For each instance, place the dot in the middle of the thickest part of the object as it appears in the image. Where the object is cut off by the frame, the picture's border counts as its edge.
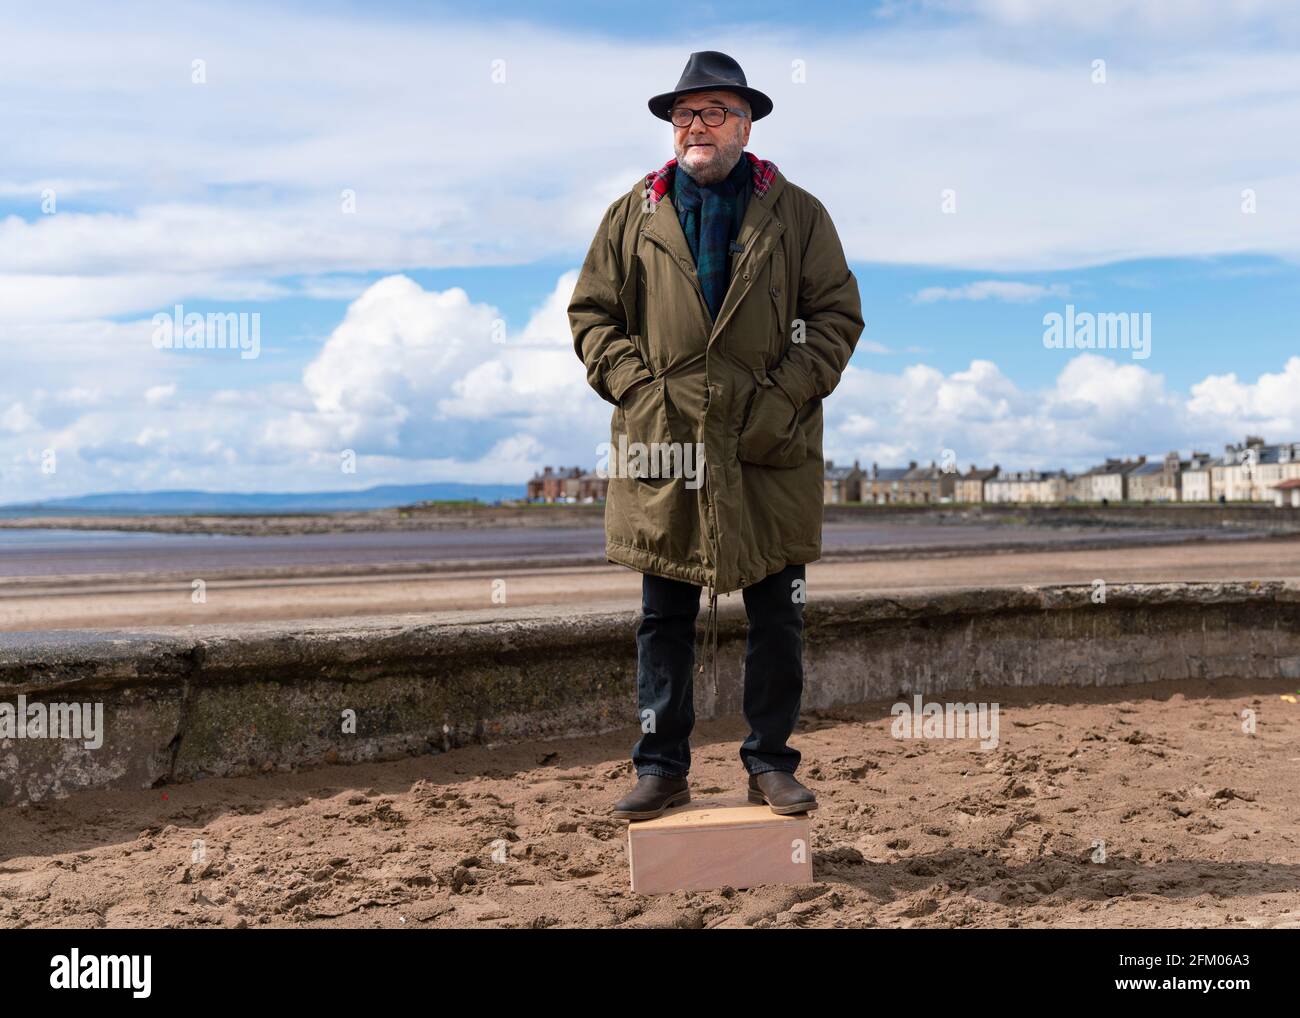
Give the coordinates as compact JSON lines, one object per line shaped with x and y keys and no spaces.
{"x":748,"y":387}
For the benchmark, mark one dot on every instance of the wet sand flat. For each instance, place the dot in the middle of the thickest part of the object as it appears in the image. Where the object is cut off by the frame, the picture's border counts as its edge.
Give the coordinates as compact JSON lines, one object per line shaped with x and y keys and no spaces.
{"x":74,"y":603}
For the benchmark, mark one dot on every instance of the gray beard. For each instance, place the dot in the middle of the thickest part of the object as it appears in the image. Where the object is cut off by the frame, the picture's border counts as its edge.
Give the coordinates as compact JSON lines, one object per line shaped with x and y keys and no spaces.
{"x":718,"y":168}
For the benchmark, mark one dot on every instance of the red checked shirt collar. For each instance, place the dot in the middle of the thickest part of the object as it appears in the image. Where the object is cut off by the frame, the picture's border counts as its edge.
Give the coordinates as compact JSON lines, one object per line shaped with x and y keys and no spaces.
{"x":659,"y":181}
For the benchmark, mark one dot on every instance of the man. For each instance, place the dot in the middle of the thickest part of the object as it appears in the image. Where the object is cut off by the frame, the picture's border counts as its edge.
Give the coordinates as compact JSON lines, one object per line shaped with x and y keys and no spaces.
{"x":715,"y":310}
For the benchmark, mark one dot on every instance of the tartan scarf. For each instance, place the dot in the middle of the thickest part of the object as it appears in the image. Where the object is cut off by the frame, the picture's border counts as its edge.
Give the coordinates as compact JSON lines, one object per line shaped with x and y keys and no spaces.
{"x":710,"y":216}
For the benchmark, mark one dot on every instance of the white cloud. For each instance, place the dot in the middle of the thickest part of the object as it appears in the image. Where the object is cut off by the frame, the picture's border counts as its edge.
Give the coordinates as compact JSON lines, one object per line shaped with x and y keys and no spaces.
{"x":452,"y":169}
{"x":992,"y":289}
{"x":408,"y":366}
{"x":396,"y":349}
{"x":549,"y":324}
{"x":1165,"y":19}
{"x":1270,"y":404}
{"x":16,"y":419}
{"x":41,"y":298}
{"x":413,"y":382}
{"x":35,"y":190}
{"x":239,"y":199}
{"x":1097,"y":407}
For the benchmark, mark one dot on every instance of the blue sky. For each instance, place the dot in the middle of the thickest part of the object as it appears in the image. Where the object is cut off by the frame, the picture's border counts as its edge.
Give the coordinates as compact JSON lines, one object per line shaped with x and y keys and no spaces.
{"x":1167,"y":184}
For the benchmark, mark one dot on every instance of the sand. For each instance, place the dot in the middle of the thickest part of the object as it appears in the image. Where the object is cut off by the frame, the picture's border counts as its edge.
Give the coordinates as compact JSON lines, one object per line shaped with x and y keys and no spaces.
{"x":78,"y":605}
{"x":1199,"y":822}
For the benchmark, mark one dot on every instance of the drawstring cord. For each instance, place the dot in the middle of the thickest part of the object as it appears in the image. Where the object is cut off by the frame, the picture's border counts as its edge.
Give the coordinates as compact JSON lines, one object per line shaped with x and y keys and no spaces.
{"x":711,"y":623}
{"x":711,"y":640}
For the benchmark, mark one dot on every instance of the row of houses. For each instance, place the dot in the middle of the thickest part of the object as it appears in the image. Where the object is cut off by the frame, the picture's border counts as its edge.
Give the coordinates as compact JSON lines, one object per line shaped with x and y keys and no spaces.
{"x":885,"y":485}
{"x":1116,"y":480}
{"x":1251,"y":471}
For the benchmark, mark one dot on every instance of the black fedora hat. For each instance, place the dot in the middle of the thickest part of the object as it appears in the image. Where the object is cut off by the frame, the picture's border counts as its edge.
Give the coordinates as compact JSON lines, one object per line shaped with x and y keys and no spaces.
{"x":709,"y":71}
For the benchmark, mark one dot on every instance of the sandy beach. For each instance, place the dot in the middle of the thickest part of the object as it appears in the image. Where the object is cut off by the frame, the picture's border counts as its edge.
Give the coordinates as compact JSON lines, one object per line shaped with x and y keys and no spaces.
{"x":1198,"y":822}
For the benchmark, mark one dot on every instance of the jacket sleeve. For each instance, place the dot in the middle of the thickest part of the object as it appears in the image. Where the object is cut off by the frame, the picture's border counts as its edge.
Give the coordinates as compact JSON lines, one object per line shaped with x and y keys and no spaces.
{"x":831,"y":309}
{"x":598,"y":320}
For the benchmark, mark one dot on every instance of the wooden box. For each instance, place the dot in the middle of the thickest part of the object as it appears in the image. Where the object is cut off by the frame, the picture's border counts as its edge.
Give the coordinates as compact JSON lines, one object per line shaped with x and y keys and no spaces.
{"x":715,"y":843}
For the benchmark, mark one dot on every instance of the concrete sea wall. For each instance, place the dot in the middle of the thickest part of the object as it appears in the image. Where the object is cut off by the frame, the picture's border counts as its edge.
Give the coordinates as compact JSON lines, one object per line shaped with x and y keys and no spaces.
{"x":185,"y":703}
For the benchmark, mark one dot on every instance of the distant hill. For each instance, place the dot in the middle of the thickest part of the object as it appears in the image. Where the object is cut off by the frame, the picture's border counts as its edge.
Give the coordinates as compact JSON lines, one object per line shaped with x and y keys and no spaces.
{"x":167,"y":502}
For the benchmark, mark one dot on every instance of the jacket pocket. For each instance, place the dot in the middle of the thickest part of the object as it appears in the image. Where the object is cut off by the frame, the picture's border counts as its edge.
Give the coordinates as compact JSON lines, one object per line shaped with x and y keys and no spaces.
{"x":644,"y":435}
{"x":629,"y":296}
{"x":771,"y":435}
{"x":776,"y":287}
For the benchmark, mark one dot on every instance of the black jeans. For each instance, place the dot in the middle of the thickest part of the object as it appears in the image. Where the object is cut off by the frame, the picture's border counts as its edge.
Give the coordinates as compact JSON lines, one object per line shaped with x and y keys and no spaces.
{"x":773,"y":673}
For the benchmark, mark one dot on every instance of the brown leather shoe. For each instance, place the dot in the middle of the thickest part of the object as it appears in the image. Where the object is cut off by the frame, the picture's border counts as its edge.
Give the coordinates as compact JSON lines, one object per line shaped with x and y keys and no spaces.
{"x":652,"y":795}
{"x":781,"y":791}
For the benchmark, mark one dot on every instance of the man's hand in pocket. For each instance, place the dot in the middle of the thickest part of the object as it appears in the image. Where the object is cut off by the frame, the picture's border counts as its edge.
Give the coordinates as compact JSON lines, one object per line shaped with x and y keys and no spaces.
{"x":771,"y":436}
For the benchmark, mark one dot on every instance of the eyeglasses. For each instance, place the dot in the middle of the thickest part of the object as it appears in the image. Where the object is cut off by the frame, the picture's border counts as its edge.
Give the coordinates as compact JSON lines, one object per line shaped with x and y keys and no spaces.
{"x":713,"y":116}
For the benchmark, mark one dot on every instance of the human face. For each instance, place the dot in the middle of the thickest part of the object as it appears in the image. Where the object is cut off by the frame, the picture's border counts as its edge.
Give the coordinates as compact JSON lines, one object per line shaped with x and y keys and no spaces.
{"x":709,"y":153}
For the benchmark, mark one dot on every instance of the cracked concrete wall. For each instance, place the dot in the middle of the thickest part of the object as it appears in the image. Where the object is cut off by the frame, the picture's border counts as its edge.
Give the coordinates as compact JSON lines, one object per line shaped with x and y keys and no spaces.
{"x":192,"y":702}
